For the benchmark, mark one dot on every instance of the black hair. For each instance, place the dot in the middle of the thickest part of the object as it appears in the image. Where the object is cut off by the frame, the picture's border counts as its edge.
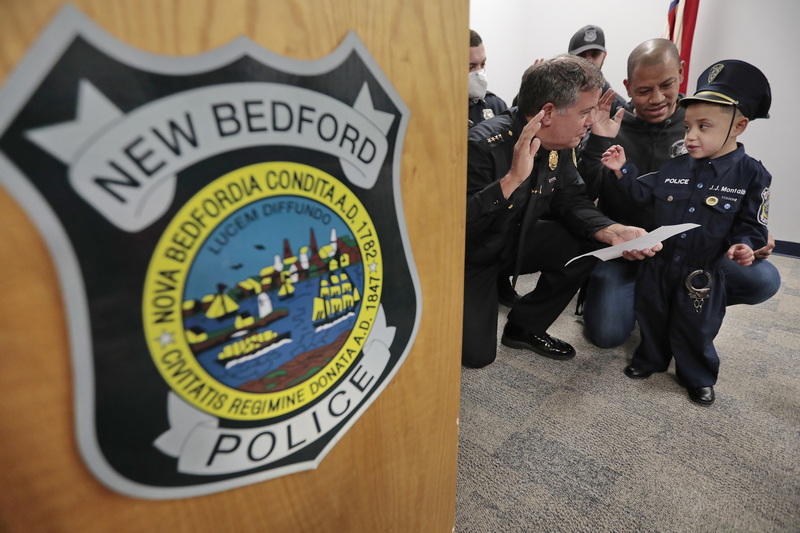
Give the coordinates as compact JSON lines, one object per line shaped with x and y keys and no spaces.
{"x":652,"y":52}
{"x":474,"y":39}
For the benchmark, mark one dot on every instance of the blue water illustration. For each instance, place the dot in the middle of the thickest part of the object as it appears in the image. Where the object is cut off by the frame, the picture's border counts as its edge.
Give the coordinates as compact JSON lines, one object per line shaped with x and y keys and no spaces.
{"x":305,"y":335}
{"x":237,"y":250}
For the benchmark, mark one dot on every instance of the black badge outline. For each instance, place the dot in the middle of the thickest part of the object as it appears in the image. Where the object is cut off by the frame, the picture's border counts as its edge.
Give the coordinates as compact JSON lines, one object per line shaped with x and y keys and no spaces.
{"x":66,"y":25}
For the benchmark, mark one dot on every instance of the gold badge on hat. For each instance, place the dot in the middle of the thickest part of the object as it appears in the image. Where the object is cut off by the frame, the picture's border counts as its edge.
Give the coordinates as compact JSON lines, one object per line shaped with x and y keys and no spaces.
{"x":715,"y":70}
{"x":712,"y":200}
{"x":553,"y":161}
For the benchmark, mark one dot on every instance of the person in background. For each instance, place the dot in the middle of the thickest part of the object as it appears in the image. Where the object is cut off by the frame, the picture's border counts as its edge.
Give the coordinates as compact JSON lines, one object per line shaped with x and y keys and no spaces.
{"x":520,"y":165}
{"x":589,"y":43}
{"x":679,"y":301}
{"x":483,"y":104}
{"x":651,"y":131}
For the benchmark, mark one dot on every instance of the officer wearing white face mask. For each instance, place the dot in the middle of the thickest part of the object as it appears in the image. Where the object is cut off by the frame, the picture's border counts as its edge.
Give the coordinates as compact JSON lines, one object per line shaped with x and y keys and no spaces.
{"x":483,"y":104}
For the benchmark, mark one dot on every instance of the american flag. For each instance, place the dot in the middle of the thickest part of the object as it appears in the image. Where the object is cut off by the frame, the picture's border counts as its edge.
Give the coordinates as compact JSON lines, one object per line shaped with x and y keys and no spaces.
{"x":681,"y":19}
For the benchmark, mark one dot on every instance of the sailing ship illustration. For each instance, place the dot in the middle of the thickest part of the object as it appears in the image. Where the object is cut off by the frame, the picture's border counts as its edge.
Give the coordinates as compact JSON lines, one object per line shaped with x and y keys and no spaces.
{"x":287,"y":286}
{"x":250,"y":347}
{"x":222,"y":305}
{"x":249,"y":341}
{"x":243,"y":329}
{"x":253,"y":344}
{"x":337,"y":299}
{"x":288,"y":277}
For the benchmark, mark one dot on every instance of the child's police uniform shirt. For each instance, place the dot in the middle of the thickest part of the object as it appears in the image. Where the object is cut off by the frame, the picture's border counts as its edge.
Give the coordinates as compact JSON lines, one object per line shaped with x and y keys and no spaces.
{"x":728,"y":196}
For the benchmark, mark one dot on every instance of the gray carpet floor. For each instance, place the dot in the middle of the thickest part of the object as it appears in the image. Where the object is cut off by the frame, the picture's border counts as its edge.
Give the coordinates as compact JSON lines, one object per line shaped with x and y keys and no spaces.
{"x":577,"y":446}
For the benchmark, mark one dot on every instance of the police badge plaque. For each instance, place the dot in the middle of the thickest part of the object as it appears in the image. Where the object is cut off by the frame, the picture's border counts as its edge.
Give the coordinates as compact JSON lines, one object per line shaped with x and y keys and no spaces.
{"x":230,"y":243}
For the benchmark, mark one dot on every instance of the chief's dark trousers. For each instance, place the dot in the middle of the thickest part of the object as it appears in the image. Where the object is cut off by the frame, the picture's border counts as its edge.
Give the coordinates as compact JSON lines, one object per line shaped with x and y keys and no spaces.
{"x":547,"y":247}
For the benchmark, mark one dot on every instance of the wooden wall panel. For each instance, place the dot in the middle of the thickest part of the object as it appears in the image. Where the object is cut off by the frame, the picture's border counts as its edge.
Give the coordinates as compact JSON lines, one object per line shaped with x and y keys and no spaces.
{"x":395,"y":470}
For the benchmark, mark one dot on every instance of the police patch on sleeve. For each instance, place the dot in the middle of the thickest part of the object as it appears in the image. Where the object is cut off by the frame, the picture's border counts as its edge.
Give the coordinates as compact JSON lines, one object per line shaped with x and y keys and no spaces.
{"x":763,"y":211}
{"x":231,"y":247}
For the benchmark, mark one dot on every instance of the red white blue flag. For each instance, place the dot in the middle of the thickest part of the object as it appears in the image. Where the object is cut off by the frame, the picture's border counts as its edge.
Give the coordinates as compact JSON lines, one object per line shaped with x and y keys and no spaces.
{"x":681,"y":19}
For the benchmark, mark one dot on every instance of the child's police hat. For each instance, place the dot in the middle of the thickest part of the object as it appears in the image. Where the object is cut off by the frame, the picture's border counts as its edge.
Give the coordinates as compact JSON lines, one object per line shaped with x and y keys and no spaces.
{"x":736,"y":83}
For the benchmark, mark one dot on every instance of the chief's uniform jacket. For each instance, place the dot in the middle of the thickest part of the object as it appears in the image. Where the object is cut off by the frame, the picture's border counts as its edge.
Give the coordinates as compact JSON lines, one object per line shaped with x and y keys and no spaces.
{"x":507,"y":236}
{"x":729,"y":198}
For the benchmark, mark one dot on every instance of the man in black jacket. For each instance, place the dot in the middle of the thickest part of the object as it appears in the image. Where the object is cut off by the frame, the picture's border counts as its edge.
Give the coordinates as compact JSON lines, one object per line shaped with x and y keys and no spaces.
{"x":650,"y":128}
{"x":521,"y":164}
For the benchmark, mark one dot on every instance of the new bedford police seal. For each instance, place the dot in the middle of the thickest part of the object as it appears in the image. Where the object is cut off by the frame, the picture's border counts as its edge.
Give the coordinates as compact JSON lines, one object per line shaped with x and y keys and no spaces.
{"x":231,"y":247}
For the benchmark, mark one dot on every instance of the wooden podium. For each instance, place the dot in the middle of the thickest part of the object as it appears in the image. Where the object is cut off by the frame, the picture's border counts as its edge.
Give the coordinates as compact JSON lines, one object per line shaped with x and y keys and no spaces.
{"x":395,"y":469}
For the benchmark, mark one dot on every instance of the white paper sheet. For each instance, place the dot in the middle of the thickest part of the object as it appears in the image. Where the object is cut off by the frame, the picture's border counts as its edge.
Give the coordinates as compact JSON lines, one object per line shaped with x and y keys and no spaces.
{"x":641,"y":243}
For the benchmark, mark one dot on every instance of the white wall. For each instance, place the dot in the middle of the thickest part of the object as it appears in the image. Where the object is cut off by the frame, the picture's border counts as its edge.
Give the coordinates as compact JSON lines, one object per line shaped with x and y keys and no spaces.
{"x":515,"y":32}
{"x":761,"y":33}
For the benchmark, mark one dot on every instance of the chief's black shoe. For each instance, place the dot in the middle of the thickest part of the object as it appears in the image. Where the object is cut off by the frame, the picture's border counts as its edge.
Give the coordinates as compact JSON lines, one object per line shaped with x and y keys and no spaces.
{"x":701,"y":395}
{"x":633,"y":372}
{"x":543,"y":344}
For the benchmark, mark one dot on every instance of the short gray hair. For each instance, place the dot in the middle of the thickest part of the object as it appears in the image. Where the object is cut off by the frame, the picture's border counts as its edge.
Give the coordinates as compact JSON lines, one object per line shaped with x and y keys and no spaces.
{"x":559,"y":81}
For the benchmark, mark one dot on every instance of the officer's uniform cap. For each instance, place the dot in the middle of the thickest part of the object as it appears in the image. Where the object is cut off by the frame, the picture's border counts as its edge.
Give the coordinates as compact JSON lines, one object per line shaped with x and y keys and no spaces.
{"x":736,"y":83}
{"x":587,"y":38}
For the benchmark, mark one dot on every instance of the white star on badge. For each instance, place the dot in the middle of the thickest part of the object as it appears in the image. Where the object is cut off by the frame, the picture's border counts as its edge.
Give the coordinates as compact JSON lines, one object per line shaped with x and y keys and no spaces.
{"x":373,"y":267}
{"x":166,"y":338}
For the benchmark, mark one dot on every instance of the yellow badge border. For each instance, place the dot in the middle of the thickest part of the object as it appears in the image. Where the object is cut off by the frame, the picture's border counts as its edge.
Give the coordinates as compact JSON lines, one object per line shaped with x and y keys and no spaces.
{"x":167,"y":342}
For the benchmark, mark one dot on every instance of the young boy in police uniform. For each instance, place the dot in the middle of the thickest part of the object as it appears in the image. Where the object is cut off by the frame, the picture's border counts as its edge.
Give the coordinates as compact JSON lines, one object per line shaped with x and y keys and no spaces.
{"x":680,"y":298}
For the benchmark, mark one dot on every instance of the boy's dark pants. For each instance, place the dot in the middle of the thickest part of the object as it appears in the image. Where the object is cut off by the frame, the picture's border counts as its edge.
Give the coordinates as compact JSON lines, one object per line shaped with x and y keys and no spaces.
{"x":671,"y":326}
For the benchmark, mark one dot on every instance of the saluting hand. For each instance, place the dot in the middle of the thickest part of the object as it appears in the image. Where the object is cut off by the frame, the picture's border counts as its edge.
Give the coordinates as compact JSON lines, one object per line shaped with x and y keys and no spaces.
{"x":603,"y":124}
{"x":524,"y":151}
